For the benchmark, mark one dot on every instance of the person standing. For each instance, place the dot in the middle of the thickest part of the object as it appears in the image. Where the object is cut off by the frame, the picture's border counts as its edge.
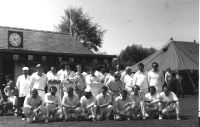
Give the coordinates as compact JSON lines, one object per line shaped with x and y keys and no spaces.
{"x":169,"y":79}
{"x":23,"y":86}
{"x":39,"y":81}
{"x":156,"y":77}
{"x":93,"y":82}
{"x":128,"y":80}
{"x":80,"y":81}
{"x":140,"y":79}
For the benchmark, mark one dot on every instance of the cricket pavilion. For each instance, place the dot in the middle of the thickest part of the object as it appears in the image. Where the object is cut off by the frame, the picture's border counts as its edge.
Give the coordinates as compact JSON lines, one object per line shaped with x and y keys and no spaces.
{"x":25,"y":47}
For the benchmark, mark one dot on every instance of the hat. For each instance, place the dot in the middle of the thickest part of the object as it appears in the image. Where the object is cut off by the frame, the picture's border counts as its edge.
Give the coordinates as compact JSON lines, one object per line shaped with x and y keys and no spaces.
{"x":38,"y":66}
{"x":87,"y":90}
{"x":25,"y":68}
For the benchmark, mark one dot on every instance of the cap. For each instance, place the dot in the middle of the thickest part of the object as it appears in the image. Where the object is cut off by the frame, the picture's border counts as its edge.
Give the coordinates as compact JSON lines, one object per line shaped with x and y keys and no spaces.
{"x":25,"y":68}
{"x":87,"y":90}
{"x":38,"y":66}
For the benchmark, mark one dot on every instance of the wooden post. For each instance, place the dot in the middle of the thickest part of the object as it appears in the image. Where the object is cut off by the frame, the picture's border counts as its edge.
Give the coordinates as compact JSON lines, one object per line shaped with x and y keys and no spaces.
{"x":1,"y":68}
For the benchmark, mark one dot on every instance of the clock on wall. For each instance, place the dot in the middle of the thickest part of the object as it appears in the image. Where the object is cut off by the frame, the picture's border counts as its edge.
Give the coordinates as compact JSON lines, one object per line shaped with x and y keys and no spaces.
{"x":15,"y":39}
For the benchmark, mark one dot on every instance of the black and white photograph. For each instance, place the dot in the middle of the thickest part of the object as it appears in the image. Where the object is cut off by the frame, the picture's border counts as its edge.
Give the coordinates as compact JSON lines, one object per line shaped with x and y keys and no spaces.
{"x":99,"y":63}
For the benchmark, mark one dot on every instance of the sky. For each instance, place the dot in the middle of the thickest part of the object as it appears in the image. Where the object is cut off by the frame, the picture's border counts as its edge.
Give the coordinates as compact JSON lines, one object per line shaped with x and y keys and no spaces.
{"x":150,"y":23}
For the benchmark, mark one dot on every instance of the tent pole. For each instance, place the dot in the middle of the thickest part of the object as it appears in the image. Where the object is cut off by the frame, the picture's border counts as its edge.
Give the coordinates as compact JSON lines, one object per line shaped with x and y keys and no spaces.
{"x":191,"y":80}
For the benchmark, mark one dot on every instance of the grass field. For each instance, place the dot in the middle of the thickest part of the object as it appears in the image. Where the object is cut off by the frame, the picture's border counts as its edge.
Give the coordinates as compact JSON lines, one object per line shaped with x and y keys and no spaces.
{"x":189,"y":118}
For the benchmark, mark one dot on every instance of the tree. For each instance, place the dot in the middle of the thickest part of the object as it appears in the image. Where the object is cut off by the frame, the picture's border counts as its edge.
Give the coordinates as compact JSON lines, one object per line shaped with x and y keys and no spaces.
{"x":133,"y":54}
{"x":83,"y":29}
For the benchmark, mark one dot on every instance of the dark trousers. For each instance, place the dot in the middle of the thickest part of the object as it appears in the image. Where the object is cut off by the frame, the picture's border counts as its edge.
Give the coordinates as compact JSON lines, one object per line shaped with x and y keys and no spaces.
{"x":20,"y":105}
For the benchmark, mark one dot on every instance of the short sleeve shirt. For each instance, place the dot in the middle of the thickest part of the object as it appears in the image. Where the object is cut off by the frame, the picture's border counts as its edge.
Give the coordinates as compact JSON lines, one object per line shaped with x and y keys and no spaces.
{"x":71,"y":101}
{"x":103,"y":100}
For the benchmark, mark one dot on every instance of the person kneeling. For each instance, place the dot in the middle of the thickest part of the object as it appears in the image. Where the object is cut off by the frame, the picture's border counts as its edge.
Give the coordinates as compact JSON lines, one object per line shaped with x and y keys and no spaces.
{"x":152,"y":103}
{"x":33,"y":106}
{"x":104,"y":104}
{"x":169,"y":102}
{"x":123,"y":106}
{"x":88,"y":105}
{"x":52,"y":103}
{"x":139,"y":109}
{"x":71,"y":105}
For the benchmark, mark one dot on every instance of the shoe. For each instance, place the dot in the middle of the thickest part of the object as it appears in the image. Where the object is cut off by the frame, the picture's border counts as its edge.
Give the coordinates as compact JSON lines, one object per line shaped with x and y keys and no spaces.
{"x":178,"y":118}
{"x":46,"y":120}
{"x":23,"y":119}
{"x":29,"y":121}
{"x":143,"y":117}
{"x":65,"y":120}
{"x":160,"y":118}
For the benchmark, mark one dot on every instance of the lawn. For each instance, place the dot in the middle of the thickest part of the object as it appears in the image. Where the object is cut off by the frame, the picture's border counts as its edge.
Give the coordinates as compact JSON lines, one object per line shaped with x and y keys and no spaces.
{"x":189,"y":118}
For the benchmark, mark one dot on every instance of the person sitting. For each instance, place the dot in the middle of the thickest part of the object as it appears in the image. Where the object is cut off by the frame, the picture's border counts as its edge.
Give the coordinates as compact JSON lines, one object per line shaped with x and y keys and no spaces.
{"x":88,"y":105}
{"x":71,"y":105}
{"x":52,"y":103}
{"x":123,"y":106}
{"x":104,"y":104}
{"x":11,"y":93}
{"x":137,"y":96}
{"x":169,"y":102}
{"x":152,"y":103}
{"x":33,"y":106}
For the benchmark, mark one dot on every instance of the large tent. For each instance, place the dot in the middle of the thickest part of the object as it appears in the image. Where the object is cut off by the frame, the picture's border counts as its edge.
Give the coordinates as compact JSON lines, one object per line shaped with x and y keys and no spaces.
{"x":177,"y":55}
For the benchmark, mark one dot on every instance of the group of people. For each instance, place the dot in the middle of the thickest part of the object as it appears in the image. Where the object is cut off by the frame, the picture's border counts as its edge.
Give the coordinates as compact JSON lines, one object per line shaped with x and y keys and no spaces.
{"x":91,"y":95}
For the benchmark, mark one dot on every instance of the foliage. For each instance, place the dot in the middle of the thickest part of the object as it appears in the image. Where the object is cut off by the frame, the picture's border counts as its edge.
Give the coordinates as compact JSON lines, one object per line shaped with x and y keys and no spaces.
{"x":133,"y":54}
{"x":83,"y":29}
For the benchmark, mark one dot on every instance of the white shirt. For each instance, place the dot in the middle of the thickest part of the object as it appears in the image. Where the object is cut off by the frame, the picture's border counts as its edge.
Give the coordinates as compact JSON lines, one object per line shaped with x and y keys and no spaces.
{"x":23,"y":85}
{"x":169,"y":98}
{"x":156,"y":79}
{"x":50,"y":98}
{"x":120,"y":104}
{"x":94,"y":83}
{"x":38,"y":82}
{"x":149,"y":97}
{"x":86,"y":102}
{"x":52,"y":76}
{"x":103,"y":100}
{"x":140,"y":79}
{"x":108,"y":77}
{"x":67,"y":78}
{"x":71,"y":101}
{"x":128,"y":81}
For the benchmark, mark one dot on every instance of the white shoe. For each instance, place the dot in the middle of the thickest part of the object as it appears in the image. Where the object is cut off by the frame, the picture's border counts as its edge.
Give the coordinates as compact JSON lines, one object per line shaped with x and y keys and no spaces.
{"x":29,"y":121}
{"x":23,"y":119}
{"x":160,"y":118}
{"x":178,"y":118}
{"x":143,"y":117}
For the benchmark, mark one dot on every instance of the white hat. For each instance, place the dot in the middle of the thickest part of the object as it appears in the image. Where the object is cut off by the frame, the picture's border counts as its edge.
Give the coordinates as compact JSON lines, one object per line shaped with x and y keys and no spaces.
{"x":87,"y":90}
{"x":25,"y":68}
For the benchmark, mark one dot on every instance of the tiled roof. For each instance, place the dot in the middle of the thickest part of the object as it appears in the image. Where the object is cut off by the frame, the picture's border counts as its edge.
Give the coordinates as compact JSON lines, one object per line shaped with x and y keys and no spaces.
{"x":44,"y":41}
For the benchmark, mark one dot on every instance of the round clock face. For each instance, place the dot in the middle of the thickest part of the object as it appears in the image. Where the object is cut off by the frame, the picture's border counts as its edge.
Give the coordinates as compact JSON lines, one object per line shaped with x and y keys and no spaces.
{"x":15,"y":39}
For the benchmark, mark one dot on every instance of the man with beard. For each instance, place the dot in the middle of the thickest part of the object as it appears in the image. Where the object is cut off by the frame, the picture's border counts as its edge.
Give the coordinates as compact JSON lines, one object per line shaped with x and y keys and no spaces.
{"x":152,"y":102}
{"x":169,"y":102}
{"x":33,"y":106}
{"x":52,"y":103}
{"x":88,"y":105}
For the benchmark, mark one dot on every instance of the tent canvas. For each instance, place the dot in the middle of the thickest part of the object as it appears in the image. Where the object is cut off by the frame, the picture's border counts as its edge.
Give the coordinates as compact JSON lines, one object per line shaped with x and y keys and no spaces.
{"x":177,"y":55}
